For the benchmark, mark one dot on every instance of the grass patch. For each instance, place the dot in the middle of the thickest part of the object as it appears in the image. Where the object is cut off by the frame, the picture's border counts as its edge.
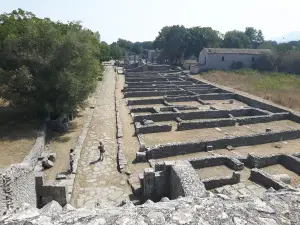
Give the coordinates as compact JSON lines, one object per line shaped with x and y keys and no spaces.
{"x":280,"y":88}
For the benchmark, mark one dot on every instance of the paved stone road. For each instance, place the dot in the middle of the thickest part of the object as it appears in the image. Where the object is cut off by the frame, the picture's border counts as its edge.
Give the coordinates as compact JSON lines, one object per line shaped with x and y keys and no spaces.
{"x":100,"y":182}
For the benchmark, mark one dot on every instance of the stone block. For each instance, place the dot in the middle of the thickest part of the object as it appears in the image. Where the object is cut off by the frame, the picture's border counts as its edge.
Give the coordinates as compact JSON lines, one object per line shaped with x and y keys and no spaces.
{"x":52,"y":157}
{"x":209,"y":148}
{"x":43,"y":155}
{"x":283,"y":177}
{"x":47,"y":164}
{"x":149,"y":183}
{"x":141,"y":157}
{"x":61,"y":176}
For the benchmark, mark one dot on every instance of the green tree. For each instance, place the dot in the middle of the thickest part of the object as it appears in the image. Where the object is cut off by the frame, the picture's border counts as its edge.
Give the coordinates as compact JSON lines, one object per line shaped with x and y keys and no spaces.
{"x":236,"y":39}
{"x":46,"y":66}
{"x":256,"y":36}
{"x":172,"y":42}
{"x":116,"y":51}
{"x":200,"y":37}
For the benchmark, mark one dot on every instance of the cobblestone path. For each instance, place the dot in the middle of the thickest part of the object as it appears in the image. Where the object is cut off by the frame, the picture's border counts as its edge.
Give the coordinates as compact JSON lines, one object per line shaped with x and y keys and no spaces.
{"x":98,"y":183}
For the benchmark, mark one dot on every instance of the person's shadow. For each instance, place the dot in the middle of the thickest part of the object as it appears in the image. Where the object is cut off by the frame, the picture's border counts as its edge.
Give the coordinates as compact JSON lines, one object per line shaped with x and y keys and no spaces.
{"x":94,"y":162}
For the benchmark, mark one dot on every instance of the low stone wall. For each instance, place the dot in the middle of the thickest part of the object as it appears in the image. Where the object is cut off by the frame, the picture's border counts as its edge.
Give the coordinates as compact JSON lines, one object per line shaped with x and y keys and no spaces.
{"x":216,"y":182}
{"x":181,"y":99}
{"x":152,"y":128}
{"x":258,"y":104}
{"x":217,"y":96}
{"x":263,"y":118}
{"x":17,"y":182}
{"x":190,"y":125}
{"x":32,"y":157}
{"x":173,"y":149}
{"x":121,"y":159}
{"x":266,"y":180}
{"x":171,"y":179}
{"x":208,"y":114}
{"x":146,"y":109}
{"x":288,"y":161}
{"x":53,"y":190}
{"x":254,"y":161}
{"x":145,"y":101}
{"x":149,"y":67}
{"x":210,"y":161}
{"x":153,"y":93}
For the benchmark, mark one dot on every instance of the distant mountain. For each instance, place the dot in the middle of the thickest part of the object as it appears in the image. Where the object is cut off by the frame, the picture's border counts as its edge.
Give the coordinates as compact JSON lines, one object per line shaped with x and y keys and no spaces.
{"x":292,"y":36}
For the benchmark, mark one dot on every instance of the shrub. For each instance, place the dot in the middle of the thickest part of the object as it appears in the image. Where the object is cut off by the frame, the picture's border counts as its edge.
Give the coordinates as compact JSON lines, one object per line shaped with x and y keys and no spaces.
{"x":237,"y":65}
{"x":266,"y":62}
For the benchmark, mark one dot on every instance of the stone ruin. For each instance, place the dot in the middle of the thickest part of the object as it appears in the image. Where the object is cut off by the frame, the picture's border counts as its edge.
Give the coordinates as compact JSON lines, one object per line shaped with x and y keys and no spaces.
{"x":166,"y":104}
{"x":184,"y":185}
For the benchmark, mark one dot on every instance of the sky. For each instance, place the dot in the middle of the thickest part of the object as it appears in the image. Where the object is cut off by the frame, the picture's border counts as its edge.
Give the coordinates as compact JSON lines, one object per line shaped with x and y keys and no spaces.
{"x":141,"y":20}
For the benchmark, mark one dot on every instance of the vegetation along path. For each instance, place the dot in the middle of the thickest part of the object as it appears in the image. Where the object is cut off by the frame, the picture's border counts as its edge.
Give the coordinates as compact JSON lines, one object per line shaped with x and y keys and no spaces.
{"x":99,"y":183}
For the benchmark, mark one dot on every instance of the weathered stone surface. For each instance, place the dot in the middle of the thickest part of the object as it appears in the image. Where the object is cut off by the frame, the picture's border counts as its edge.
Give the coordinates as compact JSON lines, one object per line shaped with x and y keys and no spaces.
{"x":61,"y":176}
{"x":51,"y":208}
{"x":68,"y":207}
{"x":192,"y":211}
{"x":283,"y":177}
{"x":47,"y":164}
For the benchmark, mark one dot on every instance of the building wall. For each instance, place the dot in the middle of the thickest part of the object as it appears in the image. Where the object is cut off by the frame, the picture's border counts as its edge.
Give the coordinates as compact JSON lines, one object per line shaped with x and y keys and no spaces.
{"x":214,"y":61}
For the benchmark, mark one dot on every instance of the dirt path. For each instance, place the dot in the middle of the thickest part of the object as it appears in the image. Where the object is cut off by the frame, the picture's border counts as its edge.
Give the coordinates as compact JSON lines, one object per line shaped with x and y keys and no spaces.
{"x":61,"y":145}
{"x":131,"y":144}
{"x":99,"y":183}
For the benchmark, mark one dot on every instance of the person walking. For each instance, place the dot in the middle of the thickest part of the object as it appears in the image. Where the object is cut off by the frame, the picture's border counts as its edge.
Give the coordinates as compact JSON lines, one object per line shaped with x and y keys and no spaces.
{"x":101,"y":150}
{"x":71,"y":157}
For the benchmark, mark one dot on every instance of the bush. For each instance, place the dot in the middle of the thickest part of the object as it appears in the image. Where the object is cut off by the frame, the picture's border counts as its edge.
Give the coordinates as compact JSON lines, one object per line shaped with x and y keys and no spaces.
{"x":237,"y":65}
{"x":47,"y":66}
{"x":267,"y":62}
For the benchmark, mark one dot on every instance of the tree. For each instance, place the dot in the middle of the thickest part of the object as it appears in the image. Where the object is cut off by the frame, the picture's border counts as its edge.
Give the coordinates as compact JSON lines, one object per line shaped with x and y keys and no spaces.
{"x":172,"y":41}
{"x":256,"y":36}
{"x":200,"y":37}
{"x":137,"y":48}
{"x":46,"y":66}
{"x":116,"y":51}
{"x":236,"y":39}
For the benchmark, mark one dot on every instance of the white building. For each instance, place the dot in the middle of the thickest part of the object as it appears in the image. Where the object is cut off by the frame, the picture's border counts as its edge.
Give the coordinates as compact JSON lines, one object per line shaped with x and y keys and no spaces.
{"x":223,"y":58}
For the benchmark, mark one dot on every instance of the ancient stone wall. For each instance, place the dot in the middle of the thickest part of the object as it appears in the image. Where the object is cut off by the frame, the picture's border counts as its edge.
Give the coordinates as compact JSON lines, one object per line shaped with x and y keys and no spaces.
{"x":184,"y":181}
{"x":18,"y":181}
{"x":178,"y":148}
{"x":216,"y":182}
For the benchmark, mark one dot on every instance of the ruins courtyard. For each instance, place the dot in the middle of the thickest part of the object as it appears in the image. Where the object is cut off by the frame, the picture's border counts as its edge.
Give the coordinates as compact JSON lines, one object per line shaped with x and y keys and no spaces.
{"x":169,"y":135}
{"x":151,"y":120}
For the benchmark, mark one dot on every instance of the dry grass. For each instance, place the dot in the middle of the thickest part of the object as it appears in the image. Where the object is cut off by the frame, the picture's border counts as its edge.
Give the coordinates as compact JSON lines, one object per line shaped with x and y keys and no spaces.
{"x":16,"y":140}
{"x":283,"y":89}
{"x":61,"y":145}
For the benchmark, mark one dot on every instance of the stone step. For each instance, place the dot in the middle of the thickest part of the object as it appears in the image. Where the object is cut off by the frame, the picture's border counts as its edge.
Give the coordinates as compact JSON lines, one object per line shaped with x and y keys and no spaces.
{"x":135,"y":184}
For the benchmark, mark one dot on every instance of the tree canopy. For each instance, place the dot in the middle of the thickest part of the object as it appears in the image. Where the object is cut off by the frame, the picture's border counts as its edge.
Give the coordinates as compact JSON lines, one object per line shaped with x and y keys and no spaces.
{"x":46,"y":66}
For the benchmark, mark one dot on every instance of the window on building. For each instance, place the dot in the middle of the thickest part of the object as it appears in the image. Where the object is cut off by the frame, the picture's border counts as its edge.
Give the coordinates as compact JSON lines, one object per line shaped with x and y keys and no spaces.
{"x":252,"y":59}
{"x":222,"y":58}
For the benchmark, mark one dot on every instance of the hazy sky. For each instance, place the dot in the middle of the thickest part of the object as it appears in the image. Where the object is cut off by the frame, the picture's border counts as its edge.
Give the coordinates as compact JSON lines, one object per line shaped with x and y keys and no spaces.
{"x":141,"y":20}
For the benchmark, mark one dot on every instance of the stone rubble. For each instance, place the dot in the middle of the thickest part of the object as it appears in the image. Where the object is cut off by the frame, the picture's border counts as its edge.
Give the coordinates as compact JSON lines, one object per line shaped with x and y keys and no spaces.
{"x":279,"y":208}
